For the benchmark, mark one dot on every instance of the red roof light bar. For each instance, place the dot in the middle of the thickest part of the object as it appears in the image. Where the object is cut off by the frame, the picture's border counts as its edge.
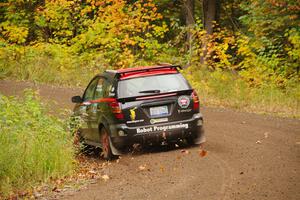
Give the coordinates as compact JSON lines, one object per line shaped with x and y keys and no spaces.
{"x":147,"y":71}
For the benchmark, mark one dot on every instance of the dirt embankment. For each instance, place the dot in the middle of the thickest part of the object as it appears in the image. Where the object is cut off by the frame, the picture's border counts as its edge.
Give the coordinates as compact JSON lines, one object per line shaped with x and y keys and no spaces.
{"x":249,"y":157}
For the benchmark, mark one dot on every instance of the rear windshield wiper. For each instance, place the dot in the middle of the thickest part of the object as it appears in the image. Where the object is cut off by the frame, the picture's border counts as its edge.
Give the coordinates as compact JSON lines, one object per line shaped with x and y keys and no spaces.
{"x":150,"y":91}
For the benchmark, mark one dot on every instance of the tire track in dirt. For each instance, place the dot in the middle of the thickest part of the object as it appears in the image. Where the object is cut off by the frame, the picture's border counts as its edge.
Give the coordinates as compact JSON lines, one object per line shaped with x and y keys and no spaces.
{"x":227,"y":177}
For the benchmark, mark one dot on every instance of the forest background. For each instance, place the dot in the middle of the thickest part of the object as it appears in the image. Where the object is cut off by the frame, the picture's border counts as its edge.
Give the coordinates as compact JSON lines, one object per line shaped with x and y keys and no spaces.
{"x":241,"y":54}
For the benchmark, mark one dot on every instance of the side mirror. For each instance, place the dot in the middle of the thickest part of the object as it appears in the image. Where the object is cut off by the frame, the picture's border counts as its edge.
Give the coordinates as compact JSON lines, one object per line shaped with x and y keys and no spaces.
{"x":77,"y":99}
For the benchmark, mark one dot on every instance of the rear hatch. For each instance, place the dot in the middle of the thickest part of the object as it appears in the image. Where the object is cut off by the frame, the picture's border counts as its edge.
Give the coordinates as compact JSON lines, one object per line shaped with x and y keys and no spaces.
{"x":156,"y":99}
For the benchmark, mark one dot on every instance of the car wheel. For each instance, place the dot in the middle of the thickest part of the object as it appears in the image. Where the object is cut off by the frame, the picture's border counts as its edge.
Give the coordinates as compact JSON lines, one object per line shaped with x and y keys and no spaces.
{"x":105,"y":143}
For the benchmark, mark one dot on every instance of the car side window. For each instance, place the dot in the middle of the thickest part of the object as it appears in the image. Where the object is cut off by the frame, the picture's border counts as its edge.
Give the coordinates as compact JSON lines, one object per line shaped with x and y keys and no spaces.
{"x":99,"y":89}
{"x":89,"y":92}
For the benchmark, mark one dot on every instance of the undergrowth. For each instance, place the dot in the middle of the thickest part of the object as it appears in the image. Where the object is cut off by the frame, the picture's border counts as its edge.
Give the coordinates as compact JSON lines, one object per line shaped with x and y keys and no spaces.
{"x":226,"y":89}
{"x":48,"y":63}
{"x":34,"y":145}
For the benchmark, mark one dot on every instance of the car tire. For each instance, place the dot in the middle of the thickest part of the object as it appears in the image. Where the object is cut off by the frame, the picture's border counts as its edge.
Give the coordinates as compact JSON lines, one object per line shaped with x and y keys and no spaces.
{"x":105,"y":145}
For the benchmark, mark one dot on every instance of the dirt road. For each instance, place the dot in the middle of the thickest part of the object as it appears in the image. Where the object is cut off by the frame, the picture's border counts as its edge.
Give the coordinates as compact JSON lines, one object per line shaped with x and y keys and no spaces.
{"x":249,"y":157}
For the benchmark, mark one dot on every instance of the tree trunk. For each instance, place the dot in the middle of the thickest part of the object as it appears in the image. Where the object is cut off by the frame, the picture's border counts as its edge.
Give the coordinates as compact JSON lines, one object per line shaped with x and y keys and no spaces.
{"x":211,"y":9}
{"x":188,"y":11}
{"x":189,"y":8}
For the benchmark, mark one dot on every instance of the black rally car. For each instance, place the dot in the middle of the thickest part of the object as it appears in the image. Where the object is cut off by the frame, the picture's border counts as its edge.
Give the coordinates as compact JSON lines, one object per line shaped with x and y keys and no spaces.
{"x":146,"y":105}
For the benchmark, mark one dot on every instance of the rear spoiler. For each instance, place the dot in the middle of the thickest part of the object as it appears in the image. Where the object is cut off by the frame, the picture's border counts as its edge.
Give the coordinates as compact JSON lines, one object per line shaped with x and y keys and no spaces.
{"x":153,"y":96}
{"x":120,"y":73}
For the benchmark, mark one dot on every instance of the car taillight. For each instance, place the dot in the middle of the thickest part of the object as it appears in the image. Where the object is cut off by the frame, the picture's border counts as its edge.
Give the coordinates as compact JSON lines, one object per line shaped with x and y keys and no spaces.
{"x":195,"y":100}
{"x":116,"y":109}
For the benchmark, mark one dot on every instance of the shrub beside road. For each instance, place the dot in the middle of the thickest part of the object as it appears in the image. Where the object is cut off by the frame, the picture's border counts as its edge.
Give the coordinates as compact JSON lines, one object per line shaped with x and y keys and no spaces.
{"x":34,"y":145}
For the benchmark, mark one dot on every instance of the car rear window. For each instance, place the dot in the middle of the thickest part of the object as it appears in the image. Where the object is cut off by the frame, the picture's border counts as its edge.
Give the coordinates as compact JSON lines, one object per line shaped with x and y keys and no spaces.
{"x":144,"y":85}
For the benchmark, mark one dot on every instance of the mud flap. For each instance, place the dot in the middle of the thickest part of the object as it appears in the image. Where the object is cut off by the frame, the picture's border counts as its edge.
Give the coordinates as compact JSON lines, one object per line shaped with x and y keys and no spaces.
{"x":114,"y":150}
{"x":201,"y":137}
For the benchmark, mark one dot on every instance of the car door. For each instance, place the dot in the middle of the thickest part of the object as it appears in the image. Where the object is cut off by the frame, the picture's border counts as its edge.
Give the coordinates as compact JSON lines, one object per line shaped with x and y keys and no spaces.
{"x":95,"y":110}
{"x":85,"y":109}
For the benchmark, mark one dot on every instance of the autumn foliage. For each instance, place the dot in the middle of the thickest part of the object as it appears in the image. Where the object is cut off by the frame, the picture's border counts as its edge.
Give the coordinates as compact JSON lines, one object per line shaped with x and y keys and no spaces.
{"x":67,"y":41}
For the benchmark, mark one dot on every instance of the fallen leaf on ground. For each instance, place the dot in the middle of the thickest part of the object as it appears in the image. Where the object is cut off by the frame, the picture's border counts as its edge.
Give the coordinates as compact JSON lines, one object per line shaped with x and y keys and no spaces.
{"x":185,"y":151}
{"x":266,"y":134}
{"x":55,"y":189}
{"x":202,"y":153}
{"x":258,"y":142}
{"x":142,"y":167}
{"x":88,"y":170}
{"x":105,"y":177}
{"x":92,"y":172}
{"x":37,"y":195}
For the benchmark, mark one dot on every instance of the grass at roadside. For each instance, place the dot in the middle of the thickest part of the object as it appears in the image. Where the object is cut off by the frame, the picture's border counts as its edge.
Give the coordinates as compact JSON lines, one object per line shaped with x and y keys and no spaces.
{"x":34,"y":145}
{"x":48,"y":63}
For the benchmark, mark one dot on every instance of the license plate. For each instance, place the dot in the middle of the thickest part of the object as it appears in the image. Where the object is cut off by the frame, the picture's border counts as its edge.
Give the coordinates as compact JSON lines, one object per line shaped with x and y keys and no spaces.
{"x":159,"y":111}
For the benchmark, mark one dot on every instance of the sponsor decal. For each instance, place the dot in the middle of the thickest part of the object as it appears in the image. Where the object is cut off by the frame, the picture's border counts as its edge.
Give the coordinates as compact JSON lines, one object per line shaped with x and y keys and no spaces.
{"x":184,"y":101}
{"x":161,"y":128}
{"x":155,"y":121}
{"x":133,"y":117}
{"x":135,"y":121}
{"x":132,"y":113}
{"x":184,"y":111}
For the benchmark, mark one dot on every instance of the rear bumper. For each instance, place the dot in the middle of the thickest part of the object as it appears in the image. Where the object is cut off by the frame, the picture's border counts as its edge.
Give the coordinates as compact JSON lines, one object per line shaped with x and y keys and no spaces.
{"x":158,"y":133}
